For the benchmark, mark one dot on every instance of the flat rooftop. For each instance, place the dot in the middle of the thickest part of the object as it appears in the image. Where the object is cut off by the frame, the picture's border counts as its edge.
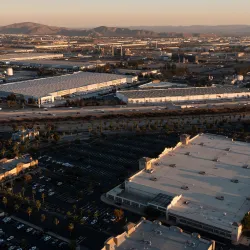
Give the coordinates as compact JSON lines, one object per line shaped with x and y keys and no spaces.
{"x":137,"y":94}
{"x":45,"y":86}
{"x":54,"y":63}
{"x":162,"y":238}
{"x":163,"y":85}
{"x":207,"y":167}
{"x":12,"y":163}
{"x":22,"y":56}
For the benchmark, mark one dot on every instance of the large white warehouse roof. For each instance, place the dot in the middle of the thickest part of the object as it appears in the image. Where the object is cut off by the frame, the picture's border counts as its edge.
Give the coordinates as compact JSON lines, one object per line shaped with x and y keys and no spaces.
{"x":45,"y":86}
{"x":137,"y":94}
{"x":212,"y":175}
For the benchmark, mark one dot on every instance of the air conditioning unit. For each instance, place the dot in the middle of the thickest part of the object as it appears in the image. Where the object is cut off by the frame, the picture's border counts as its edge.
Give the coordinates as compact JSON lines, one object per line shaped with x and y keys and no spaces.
{"x":185,"y":187}
{"x":220,"y":198}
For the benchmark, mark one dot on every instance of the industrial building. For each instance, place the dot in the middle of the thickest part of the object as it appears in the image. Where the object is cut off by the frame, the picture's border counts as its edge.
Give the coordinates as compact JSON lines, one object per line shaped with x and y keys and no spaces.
{"x":57,"y":64}
{"x":203,"y":183}
{"x":153,"y":96}
{"x":164,"y":85}
{"x":28,"y":56}
{"x":47,"y":90}
{"x":153,"y":235}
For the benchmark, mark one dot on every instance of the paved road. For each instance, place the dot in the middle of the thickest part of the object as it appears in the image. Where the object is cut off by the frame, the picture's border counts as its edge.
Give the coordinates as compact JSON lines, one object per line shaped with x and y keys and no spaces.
{"x":72,"y":111}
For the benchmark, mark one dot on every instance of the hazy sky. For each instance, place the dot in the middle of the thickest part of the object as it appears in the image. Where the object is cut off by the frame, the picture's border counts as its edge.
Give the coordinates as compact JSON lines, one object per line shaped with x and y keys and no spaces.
{"x":82,"y":13}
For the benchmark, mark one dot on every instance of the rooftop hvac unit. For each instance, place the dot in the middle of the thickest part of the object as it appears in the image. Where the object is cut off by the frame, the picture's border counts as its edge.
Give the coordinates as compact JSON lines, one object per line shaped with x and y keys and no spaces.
{"x":185,"y":187}
{"x":172,"y":165}
{"x":220,"y":198}
{"x":153,"y":179}
{"x":202,"y":172}
{"x":235,"y":181}
{"x":246,"y":166}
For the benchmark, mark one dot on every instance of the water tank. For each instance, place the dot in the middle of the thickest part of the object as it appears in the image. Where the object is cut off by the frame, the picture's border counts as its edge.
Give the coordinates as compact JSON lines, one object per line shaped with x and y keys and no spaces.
{"x":240,"y":77}
{"x":10,"y":72}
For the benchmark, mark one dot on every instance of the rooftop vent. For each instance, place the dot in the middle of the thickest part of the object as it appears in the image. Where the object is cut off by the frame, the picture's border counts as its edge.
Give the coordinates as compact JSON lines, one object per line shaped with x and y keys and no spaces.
{"x":246,"y":166}
{"x":150,"y":171}
{"x":159,"y":232}
{"x":202,"y":172}
{"x":148,"y":242}
{"x":172,"y":165}
{"x":235,"y":181}
{"x":153,"y":179}
{"x":188,"y":153}
{"x":221,"y":198}
{"x":185,"y":187}
{"x":228,"y":149}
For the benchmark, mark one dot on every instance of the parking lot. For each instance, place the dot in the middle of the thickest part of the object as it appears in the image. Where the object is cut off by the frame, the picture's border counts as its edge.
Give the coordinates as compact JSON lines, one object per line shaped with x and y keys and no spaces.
{"x":72,"y":179}
{"x":17,"y":235}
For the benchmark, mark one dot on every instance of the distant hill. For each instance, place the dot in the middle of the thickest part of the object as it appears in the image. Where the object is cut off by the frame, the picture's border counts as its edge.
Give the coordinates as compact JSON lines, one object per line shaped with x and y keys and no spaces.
{"x":30,"y":28}
{"x":203,"y":29}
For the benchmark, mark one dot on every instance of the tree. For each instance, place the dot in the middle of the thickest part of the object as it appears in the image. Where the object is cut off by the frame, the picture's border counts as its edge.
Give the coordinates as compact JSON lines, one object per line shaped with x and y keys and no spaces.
{"x":5,"y":201}
{"x":56,"y":221}
{"x":71,"y":228}
{"x":43,"y":217}
{"x":3,"y":151}
{"x":29,"y":211}
{"x":33,"y":194}
{"x":27,"y":178}
{"x":69,"y":214}
{"x":38,"y":205}
{"x":74,"y":208}
{"x":118,"y":214}
{"x":43,"y":196}
{"x":23,"y":191}
{"x":16,"y":207}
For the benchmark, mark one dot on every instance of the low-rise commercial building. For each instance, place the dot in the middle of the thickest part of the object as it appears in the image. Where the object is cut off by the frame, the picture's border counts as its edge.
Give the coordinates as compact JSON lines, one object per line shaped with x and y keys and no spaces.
{"x":203,"y":183}
{"x":25,"y":134}
{"x":13,"y":167}
{"x":154,"y":96}
{"x":153,"y":235}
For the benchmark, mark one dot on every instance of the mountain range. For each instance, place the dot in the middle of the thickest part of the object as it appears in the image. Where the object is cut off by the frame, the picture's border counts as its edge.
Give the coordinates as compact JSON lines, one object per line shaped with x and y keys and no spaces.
{"x":30,"y":28}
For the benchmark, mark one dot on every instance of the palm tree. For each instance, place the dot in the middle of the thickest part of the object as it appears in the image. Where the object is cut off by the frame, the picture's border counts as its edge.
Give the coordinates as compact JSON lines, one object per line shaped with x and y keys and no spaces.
{"x":71,"y":227}
{"x":3,"y":151}
{"x":5,"y":201}
{"x":43,"y":196}
{"x":69,"y":214}
{"x":23,"y":190}
{"x":33,"y":194}
{"x":16,"y":207}
{"x":38,"y":205}
{"x":43,"y":217}
{"x":29,"y":211}
{"x":81,"y":211}
{"x":56,"y":221}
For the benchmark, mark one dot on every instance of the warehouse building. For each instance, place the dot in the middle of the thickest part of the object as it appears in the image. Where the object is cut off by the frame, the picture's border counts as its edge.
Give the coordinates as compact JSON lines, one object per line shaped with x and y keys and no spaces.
{"x":28,"y":56}
{"x":154,"y":96}
{"x":203,"y":183}
{"x":47,"y":90}
{"x":153,"y":235}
